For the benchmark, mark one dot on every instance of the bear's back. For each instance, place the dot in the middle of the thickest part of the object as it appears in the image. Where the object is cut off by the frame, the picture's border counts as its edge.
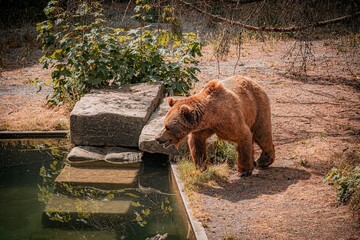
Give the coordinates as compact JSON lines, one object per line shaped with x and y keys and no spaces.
{"x":253,"y":98}
{"x":246,"y":88}
{"x":242,"y":85}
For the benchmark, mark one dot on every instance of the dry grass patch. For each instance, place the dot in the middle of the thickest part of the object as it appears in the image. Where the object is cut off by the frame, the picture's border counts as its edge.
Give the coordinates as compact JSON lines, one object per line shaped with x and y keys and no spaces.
{"x":221,"y":167}
{"x":193,"y":178}
{"x":19,"y":114}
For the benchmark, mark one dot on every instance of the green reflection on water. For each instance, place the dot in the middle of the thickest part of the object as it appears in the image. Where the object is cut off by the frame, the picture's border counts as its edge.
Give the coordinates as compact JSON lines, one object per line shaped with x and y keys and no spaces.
{"x":26,"y":189}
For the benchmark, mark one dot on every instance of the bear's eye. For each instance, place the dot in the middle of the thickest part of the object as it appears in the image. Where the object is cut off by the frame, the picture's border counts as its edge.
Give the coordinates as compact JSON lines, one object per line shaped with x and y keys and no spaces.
{"x":167,"y":128}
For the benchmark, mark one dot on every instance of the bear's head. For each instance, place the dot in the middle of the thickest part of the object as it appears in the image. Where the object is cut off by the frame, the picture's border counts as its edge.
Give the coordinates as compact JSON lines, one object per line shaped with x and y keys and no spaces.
{"x":185,"y":115}
{"x":178,"y":123}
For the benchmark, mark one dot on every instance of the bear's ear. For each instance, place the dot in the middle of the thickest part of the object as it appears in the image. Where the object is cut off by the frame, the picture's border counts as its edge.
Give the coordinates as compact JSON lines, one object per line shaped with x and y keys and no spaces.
{"x":186,"y":111}
{"x":171,"y":101}
{"x":213,"y":86}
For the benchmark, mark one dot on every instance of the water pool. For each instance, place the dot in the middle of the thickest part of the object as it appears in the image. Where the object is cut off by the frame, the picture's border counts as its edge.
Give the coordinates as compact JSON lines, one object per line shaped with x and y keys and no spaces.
{"x":27,"y":172}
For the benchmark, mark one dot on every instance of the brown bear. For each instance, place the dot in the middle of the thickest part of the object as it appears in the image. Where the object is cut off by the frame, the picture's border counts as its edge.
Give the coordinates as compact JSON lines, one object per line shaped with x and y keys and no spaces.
{"x":235,"y":109}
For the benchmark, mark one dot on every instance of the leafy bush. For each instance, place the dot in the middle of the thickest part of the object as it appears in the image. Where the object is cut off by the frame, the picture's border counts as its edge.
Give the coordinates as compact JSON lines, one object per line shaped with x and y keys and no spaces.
{"x":347,"y":181}
{"x":86,"y":54}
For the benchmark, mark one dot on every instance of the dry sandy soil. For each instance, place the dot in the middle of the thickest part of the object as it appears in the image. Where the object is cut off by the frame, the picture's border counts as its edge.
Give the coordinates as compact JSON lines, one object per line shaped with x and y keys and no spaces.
{"x":315,"y":124}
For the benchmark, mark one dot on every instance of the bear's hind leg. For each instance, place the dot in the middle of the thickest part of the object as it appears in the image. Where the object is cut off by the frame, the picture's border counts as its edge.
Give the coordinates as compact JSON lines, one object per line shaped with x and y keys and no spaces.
{"x":267,"y":156}
{"x":262,"y":134}
{"x":197,"y":146}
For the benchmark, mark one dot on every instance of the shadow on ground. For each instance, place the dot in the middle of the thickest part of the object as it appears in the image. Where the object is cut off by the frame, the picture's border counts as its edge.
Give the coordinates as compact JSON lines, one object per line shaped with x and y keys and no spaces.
{"x":325,"y":80}
{"x":265,"y":182}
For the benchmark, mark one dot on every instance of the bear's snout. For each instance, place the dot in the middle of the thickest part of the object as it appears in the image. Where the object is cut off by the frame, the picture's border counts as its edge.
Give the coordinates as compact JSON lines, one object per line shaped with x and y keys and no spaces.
{"x":164,"y":139}
{"x":158,"y":140}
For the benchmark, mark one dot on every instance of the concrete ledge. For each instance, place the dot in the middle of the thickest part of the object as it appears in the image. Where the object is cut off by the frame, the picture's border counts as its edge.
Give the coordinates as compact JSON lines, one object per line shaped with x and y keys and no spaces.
{"x":196,"y":226}
{"x":32,"y":134}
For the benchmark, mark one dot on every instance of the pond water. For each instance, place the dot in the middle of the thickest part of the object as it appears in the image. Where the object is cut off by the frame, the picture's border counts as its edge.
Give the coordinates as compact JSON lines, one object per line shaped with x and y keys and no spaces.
{"x":27,"y":173}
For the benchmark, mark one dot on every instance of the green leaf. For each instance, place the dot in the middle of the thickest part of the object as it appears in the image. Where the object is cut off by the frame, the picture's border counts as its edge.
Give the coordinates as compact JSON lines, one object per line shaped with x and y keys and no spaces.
{"x":138,"y":218}
{"x":146,"y":212}
{"x":136,"y":204}
{"x":132,"y":195}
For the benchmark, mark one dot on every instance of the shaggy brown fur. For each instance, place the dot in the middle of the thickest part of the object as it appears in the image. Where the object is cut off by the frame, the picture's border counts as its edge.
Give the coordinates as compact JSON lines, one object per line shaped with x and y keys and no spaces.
{"x":236,"y":109}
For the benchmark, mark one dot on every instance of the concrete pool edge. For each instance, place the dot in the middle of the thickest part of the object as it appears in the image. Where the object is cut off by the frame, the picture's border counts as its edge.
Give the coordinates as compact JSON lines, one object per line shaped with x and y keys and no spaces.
{"x":196,"y":226}
{"x":33,"y":134}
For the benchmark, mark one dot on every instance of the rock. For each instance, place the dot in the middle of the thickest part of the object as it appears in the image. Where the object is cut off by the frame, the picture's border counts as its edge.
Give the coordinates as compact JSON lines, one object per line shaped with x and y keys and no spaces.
{"x":152,"y":129}
{"x":117,"y":155}
{"x":111,"y":156}
{"x":86,"y":153}
{"x":114,"y":117}
{"x":97,"y":177}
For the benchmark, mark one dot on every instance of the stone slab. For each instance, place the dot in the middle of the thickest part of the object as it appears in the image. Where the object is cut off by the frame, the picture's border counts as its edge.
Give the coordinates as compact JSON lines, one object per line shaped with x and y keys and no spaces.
{"x":153,"y":128}
{"x":114,"y":117}
{"x":86,"y":153}
{"x":98,"y":176}
{"x":111,"y":156}
{"x":63,"y":204}
{"x":117,"y":155}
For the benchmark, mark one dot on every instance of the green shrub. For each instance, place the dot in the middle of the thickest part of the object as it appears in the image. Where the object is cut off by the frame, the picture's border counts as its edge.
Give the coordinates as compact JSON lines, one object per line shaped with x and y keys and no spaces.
{"x":86,"y":54}
{"x":347,"y":181}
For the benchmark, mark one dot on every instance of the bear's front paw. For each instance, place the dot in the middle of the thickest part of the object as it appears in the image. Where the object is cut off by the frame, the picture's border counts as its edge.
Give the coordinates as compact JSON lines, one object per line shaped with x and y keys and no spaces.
{"x":246,"y":173}
{"x":201,"y":167}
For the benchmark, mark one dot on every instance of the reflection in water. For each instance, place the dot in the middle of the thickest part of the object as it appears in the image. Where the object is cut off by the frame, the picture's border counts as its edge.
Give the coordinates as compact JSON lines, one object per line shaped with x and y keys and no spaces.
{"x":48,"y":210}
{"x":95,"y":207}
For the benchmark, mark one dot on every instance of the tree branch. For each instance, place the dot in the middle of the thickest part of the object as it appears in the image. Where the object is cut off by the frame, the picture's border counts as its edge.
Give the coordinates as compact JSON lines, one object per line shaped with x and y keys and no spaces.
{"x":272,"y":29}
{"x":244,"y":1}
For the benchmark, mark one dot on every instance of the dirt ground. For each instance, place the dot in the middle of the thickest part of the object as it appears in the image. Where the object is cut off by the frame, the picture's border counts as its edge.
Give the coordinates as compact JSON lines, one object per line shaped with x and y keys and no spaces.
{"x":22,"y":106}
{"x":315,"y":124}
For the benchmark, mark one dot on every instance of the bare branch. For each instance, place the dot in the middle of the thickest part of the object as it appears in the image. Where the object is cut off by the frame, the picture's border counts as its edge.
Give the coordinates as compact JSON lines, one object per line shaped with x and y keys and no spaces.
{"x":272,"y":29}
{"x":244,"y":1}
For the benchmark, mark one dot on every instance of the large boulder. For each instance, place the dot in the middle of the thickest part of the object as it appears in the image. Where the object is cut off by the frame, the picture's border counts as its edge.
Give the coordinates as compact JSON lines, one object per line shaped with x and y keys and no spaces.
{"x":114,"y":117}
{"x":153,"y":128}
